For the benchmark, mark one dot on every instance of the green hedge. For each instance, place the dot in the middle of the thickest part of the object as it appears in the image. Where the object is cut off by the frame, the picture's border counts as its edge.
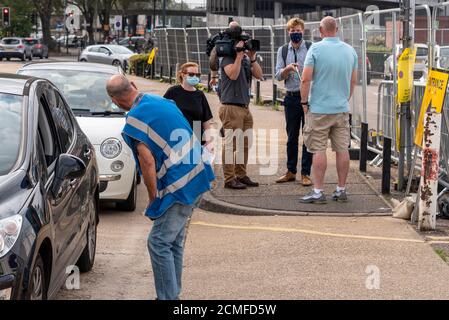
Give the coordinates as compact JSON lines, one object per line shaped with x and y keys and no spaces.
{"x":137,"y":64}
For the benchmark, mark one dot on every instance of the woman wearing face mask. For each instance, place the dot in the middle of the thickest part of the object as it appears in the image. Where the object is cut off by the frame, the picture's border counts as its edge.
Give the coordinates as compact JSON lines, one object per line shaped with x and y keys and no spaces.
{"x":192,"y":102}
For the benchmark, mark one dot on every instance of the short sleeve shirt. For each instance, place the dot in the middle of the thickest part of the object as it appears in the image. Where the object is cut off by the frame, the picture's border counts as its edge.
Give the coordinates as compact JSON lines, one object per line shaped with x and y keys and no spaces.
{"x":333,"y":63}
{"x":235,"y":91}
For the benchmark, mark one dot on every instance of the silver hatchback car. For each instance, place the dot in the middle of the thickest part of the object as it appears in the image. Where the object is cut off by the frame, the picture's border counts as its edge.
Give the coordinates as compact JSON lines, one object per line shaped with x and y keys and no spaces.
{"x":14,"y":48}
{"x":107,"y":54}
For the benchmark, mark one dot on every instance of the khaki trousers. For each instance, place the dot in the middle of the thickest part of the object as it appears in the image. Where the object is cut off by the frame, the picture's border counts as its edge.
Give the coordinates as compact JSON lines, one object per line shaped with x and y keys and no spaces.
{"x":236,"y":121}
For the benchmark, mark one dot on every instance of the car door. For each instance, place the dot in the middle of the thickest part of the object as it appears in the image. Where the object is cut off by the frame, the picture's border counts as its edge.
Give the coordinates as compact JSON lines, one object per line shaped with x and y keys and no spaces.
{"x":105,"y":55}
{"x":93,"y":54}
{"x":63,"y":210}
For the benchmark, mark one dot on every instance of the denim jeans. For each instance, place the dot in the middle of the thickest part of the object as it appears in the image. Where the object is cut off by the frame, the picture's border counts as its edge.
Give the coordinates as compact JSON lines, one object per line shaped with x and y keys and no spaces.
{"x":294,"y":119}
{"x":166,"y":247}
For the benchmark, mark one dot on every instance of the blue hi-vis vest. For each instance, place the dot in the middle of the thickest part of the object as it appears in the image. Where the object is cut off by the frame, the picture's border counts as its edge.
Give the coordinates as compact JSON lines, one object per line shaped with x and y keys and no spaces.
{"x":182,"y":175}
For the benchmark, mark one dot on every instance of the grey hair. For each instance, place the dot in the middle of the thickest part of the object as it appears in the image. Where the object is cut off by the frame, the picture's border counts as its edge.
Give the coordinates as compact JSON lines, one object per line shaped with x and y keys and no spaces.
{"x":118,"y":86}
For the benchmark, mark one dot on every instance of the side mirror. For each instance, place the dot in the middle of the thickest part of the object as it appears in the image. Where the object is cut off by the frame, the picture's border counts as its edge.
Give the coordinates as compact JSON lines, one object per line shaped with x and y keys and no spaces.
{"x":67,"y":167}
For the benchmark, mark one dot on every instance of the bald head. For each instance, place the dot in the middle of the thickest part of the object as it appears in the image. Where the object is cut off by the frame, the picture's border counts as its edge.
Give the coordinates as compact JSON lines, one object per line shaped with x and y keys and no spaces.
{"x":234,"y":24}
{"x":122,"y":91}
{"x":329,"y":26}
{"x":118,"y":86}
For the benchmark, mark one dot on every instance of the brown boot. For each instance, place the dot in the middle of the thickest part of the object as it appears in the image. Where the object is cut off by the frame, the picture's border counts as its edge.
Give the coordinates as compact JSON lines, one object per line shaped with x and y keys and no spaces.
{"x":305,"y":180}
{"x":289,"y":176}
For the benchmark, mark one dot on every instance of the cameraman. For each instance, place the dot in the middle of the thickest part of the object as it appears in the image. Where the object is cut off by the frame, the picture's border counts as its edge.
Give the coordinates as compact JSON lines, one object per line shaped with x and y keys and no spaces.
{"x":236,"y":72}
{"x":214,"y":60}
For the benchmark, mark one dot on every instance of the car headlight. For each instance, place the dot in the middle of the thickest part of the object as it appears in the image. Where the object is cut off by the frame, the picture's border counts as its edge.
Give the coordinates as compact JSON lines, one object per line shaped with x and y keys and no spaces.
{"x":9,"y":232}
{"x":111,"y":148}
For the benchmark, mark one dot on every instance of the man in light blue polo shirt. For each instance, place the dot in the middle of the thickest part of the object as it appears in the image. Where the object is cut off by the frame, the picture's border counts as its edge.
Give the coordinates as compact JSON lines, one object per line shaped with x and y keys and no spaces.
{"x":329,"y":78}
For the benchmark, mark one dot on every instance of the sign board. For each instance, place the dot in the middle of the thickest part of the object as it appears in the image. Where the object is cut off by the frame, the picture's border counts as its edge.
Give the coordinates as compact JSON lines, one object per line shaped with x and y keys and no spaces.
{"x":118,"y":25}
{"x":152,"y":55}
{"x":406,"y":64}
{"x":434,"y":96}
{"x":72,"y":9}
{"x":70,"y":23}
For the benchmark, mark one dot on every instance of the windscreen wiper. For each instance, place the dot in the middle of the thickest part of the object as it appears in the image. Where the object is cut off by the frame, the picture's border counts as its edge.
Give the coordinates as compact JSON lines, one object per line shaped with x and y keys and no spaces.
{"x":79,"y":109}
{"x":108,"y":113}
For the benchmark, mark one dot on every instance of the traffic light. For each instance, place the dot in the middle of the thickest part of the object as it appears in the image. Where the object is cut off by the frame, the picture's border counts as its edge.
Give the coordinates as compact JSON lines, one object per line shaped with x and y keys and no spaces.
{"x":5,"y":14}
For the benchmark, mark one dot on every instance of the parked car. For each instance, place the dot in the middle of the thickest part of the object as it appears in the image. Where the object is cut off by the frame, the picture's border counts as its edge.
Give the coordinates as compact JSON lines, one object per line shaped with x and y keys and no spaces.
{"x":419,"y":71}
{"x":84,"y":87}
{"x":135,"y":44}
{"x":14,"y":48}
{"x":38,"y":48}
{"x":48,"y":190}
{"x":72,"y":41}
{"x":108,"y":54}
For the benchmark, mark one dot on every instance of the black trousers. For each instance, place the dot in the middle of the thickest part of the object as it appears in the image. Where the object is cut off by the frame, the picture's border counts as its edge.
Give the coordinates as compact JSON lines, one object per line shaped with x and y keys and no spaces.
{"x":294,"y":119}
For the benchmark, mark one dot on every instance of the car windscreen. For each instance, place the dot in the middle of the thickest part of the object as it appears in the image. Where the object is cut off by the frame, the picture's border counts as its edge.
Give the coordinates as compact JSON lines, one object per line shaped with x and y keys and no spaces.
{"x":84,"y":91}
{"x":120,"y":50}
{"x":444,"y":58}
{"x":11,"y":41}
{"x":11,"y":130}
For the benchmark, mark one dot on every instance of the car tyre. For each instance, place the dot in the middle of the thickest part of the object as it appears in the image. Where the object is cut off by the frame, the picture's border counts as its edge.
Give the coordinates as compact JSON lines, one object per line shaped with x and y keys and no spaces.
{"x":83,"y":60}
{"x":37,"y":285}
{"x":87,"y":259}
{"x":130,"y":203}
{"x":24,"y":57}
{"x":116,"y":63}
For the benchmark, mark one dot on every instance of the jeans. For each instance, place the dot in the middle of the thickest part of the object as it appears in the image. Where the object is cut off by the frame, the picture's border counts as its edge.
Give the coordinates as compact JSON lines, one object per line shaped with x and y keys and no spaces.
{"x":166,"y":247}
{"x":294,"y":118}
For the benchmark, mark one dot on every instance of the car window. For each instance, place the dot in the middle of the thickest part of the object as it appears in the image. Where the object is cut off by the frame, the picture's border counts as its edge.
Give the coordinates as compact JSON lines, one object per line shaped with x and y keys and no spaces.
{"x":103,"y":50}
{"x":11,"y":130}
{"x":94,"y":49}
{"x":11,"y":41}
{"x":30,"y":42}
{"x":61,"y":118}
{"x":47,"y":133}
{"x":422,"y":52}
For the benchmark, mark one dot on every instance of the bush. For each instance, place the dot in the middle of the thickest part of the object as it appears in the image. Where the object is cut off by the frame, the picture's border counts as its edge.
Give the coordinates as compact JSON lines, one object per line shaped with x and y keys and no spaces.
{"x":137,"y":64}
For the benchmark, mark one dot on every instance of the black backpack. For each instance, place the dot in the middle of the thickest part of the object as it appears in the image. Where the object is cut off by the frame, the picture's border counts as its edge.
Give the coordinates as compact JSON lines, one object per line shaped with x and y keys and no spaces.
{"x":285,"y":50}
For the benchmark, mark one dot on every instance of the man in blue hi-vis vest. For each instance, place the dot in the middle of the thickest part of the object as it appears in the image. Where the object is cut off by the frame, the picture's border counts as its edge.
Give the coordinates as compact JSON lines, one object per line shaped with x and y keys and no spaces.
{"x":169,"y":157}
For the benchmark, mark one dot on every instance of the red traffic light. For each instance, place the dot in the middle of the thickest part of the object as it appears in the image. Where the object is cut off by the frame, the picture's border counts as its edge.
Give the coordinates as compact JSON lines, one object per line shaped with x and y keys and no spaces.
{"x":6,"y":10}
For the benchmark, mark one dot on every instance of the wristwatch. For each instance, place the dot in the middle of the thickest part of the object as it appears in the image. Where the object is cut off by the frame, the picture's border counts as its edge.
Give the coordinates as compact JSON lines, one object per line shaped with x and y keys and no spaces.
{"x":305,"y":103}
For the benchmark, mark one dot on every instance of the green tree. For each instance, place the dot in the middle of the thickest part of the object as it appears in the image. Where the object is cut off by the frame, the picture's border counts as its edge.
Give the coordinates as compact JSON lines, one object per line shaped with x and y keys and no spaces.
{"x":22,"y":18}
{"x":45,"y":9}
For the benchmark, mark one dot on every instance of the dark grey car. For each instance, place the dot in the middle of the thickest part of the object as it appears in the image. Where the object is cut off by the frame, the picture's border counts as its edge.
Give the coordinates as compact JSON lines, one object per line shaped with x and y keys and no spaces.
{"x":38,"y":48}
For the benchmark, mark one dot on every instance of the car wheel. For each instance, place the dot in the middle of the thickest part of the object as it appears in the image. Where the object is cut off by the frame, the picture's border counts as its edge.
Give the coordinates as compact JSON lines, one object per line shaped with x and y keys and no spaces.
{"x":87,"y":259}
{"x":83,"y":60}
{"x":368,"y":78}
{"x":37,"y":286}
{"x":41,"y":56}
{"x":130,"y":203}
{"x":24,"y":57}
{"x":8,"y":59}
{"x":116,"y":63}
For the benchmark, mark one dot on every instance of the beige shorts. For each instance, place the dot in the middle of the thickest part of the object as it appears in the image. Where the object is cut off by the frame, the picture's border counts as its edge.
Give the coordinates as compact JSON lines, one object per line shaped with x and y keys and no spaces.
{"x":319,"y":128}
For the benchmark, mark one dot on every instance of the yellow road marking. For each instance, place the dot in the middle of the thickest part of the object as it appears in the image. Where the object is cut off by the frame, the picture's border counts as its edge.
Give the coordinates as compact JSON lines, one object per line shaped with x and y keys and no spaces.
{"x":304,"y":231}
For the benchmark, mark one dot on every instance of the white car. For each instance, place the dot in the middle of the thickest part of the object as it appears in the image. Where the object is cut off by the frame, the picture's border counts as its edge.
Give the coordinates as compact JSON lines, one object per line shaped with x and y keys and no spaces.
{"x":84,"y":88}
{"x":420,"y":69}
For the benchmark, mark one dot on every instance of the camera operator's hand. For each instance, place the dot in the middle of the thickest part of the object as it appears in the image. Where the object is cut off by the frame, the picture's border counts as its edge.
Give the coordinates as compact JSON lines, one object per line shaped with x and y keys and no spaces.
{"x":240,"y":53}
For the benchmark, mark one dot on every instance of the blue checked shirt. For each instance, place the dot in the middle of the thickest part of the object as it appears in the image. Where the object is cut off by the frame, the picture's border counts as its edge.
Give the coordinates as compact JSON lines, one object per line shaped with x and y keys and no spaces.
{"x":292,"y":82}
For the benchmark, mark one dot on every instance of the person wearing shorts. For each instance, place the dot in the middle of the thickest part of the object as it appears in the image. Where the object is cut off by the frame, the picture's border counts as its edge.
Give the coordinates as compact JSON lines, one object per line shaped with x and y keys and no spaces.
{"x":328,"y":81}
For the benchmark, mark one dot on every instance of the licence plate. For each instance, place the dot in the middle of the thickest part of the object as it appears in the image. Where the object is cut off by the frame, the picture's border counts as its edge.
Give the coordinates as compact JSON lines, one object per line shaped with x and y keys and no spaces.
{"x":9,"y":49}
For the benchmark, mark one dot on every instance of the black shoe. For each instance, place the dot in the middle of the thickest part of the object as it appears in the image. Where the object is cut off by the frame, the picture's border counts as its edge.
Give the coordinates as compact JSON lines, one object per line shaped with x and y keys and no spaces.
{"x":247,"y":181}
{"x":234,"y":184}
